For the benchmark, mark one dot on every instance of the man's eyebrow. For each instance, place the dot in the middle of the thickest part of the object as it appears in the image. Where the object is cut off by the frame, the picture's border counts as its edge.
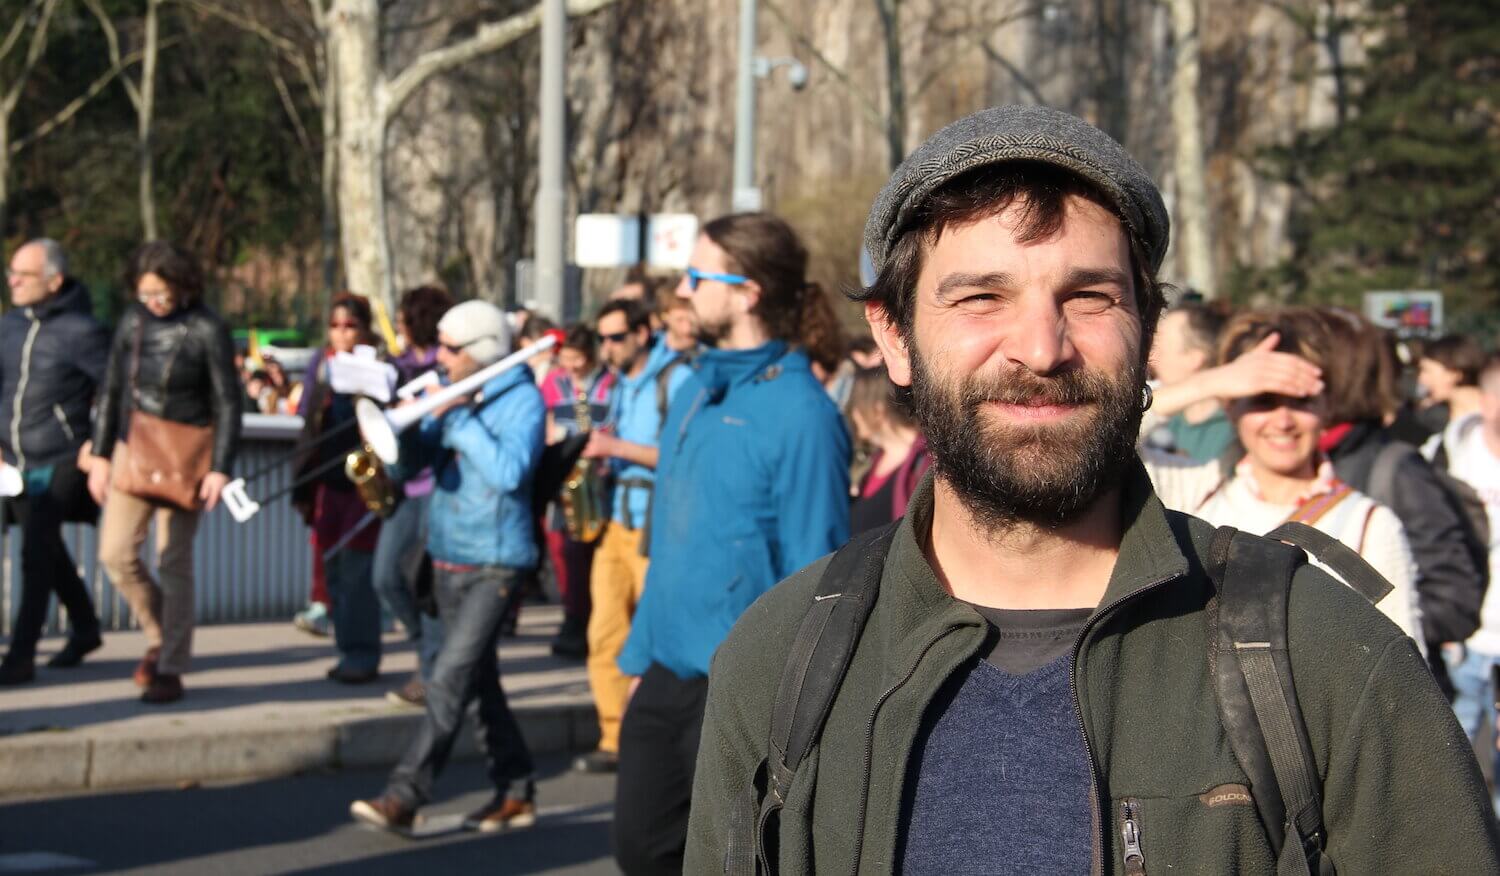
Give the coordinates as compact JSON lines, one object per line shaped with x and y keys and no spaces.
{"x":1079,"y":277}
{"x":962,"y":280}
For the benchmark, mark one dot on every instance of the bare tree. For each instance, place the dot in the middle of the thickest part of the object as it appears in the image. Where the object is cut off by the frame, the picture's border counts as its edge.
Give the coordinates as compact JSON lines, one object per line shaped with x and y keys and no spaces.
{"x":368,"y":99}
{"x":37,"y":14}
{"x":143,"y":97}
{"x":307,"y":53}
{"x":1195,"y":235}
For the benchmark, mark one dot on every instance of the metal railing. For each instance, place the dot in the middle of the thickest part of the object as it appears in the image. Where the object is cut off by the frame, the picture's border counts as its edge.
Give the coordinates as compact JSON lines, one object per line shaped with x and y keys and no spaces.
{"x":255,"y":571}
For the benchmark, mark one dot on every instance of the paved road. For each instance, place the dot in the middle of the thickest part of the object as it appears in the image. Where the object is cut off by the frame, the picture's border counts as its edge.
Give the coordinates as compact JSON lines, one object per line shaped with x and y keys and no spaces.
{"x":301,"y":825}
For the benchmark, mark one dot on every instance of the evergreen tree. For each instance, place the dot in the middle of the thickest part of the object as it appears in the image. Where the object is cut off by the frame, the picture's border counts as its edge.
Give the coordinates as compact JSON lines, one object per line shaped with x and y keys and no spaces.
{"x":1405,"y":192}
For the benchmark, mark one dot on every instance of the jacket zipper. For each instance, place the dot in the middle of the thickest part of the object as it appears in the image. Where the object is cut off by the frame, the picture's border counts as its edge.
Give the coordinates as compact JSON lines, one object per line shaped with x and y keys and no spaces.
{"x":864,"y":796}
{"x":1088,"y":747}
{"x":62,"y":420}
{"x":15,"y":414}
{"x":1130,"y":838}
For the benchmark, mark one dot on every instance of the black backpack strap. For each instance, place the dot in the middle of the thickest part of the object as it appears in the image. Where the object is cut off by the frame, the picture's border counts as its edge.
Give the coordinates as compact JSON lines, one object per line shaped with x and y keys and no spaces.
{"x":810,"y":680}
{"x":1257,"y":699}
{"x":1336,"y":555}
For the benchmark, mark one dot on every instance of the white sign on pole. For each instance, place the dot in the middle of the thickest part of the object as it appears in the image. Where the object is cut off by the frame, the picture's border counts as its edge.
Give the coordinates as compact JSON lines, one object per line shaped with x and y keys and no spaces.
{"x":606,"y":240}
{"x":670,"y":239}
{"x":1408,"y":313}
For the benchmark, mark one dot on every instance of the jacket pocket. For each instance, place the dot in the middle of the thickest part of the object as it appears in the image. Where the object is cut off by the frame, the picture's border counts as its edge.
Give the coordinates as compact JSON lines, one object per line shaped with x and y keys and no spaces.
{"x":62,"y":420}
{"x":1216,"y":831}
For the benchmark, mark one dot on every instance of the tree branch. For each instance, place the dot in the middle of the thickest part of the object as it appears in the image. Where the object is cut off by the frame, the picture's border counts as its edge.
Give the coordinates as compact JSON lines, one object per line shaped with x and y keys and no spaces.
{"x":112,"y":38}
{"x":68,"y":112}
{"x":490,"y":37}
{"x":291,"y":108}
{"x":14,"y":37}
{"x":288,"y":49}
{"x":978,"y":36}
{"x":871,"y":111}
{"x":33,"y":53}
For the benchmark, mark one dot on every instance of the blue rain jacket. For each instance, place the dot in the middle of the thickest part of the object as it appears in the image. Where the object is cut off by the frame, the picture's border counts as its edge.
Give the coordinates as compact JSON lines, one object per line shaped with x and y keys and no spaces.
{"x":752,"y":485}
{"x":483,"y":458}
{"x":637,"y":418}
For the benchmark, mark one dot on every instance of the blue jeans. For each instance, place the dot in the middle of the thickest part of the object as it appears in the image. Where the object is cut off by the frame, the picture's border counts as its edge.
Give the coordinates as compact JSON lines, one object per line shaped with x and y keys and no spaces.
{"x":355,"y":612}
{"x":402,"y":533}
{"x":467,"y":668}
{"x":1476,"y":696}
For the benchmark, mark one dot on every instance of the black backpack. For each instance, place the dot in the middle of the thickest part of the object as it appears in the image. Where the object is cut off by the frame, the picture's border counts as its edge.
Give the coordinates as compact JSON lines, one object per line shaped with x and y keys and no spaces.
{"x":1247,"y":658}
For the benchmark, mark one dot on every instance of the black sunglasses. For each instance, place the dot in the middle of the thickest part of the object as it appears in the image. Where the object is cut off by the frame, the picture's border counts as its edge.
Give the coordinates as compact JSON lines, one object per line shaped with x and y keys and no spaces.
{"x":613,"y":338}
{"x":455,"y":349}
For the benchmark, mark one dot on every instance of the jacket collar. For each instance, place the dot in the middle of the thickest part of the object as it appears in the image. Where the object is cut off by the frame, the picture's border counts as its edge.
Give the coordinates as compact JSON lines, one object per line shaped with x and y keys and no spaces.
{"x":718,"y":370}
{"x":1149,"y":553}
{"x":71,"y":297}
{"x":504,"y":382}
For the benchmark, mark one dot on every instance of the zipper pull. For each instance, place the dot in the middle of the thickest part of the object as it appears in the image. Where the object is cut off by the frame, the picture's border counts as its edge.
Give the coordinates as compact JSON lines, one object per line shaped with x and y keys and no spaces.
{"x":1130,"y":836}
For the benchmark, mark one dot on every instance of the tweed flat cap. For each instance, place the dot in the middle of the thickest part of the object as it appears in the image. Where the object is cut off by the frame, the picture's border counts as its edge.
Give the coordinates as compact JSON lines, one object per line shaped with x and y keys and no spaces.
{"x":1021,"y":133}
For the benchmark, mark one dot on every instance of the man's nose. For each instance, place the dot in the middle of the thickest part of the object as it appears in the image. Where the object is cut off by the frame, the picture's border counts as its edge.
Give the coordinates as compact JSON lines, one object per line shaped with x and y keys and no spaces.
{"x":1038,"y":336}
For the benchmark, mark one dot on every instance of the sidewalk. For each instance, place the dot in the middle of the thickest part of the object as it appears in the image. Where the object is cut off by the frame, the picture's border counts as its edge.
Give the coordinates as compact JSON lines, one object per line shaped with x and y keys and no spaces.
{"x":257,"y":704}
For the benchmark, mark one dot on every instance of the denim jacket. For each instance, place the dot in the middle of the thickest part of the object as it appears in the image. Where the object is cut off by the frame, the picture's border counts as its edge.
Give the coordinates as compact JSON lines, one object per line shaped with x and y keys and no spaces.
{"x":484,"y":457}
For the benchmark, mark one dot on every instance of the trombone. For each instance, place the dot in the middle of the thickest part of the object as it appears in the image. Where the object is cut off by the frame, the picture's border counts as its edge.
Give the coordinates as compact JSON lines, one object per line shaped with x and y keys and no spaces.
{"x":378,"y":428}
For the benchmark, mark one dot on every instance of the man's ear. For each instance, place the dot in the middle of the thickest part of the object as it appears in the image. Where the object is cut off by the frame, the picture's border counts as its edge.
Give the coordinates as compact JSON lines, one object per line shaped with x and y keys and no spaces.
{"x":751,"y":296}
{"x":891,"y":342}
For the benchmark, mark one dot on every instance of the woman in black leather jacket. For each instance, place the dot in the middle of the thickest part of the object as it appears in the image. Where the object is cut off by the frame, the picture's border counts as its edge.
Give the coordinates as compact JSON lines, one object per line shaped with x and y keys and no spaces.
{"x":172,"y":358}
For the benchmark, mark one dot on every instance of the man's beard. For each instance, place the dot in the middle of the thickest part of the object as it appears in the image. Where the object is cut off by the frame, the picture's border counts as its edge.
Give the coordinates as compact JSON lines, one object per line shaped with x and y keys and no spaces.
{"x":1043,"y":474}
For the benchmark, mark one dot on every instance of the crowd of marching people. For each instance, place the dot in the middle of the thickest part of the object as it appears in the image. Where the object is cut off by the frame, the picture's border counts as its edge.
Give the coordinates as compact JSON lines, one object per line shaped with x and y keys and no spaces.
{"x":689,"y":446}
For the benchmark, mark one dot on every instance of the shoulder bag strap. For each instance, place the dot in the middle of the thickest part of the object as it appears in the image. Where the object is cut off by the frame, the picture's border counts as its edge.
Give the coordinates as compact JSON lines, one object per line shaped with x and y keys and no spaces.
{"x":1336,"y":555}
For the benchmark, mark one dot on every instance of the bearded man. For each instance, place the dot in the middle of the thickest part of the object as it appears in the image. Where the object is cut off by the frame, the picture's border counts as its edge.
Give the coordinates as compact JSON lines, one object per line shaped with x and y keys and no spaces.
{"x":1031,"y":691}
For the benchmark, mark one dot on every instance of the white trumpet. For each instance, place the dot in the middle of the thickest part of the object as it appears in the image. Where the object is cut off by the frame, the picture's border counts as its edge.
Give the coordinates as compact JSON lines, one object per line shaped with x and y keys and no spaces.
{"x":379,"y":428}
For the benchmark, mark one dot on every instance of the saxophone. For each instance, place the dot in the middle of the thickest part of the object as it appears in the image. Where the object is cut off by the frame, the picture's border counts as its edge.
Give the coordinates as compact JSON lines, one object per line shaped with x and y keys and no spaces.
{"x":584,"y":498}
{"x":364,"y":469}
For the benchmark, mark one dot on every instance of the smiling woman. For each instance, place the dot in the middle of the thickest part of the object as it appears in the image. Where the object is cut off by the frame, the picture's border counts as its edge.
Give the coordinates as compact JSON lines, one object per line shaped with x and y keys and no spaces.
{"x":1282,"y":475}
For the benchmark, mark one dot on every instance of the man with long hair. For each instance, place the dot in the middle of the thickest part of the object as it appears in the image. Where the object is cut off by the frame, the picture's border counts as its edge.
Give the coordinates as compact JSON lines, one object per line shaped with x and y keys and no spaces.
{"x":752,"y":483}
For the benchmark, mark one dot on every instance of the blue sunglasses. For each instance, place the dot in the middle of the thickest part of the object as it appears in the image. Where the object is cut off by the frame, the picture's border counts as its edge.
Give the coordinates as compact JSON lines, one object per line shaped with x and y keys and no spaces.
{"x":696,"y":276}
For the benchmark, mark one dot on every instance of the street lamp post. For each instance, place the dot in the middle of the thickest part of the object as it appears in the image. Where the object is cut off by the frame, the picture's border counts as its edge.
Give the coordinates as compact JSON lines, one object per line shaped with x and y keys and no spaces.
{"x":746,"y":195}
{"x":551,"y":197}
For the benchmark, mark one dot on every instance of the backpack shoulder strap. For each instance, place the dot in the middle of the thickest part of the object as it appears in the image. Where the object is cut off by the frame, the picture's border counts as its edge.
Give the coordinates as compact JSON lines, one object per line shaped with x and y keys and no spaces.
{"x":1257,"y":699}
{"x":821,"y":651}
{"x":810,"y":679}
{"x":1382,"y":483}
{"x":664,"y":389}
{"x":1336,"y":555}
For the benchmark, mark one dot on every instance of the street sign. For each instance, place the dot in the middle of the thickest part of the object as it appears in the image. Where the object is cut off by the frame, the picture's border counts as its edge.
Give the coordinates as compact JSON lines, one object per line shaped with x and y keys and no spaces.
{"x":609,"y":240}
{"x":606,"y":240}
{"x":1407,"y":313}
{"x":670,"y":239}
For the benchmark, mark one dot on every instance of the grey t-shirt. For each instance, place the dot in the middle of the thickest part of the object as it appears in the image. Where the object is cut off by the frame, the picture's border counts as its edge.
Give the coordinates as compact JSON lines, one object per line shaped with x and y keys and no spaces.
{"x":1024,"y":640}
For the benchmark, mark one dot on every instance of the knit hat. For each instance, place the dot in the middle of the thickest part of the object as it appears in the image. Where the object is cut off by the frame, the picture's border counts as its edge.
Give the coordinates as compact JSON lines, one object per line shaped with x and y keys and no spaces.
{"x":480,"y":328}
{"x":1021,"y":133}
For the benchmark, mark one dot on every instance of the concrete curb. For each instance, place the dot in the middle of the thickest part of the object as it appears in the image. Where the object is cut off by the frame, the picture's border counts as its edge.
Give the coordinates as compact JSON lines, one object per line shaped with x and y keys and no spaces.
{"x":129,"y":757}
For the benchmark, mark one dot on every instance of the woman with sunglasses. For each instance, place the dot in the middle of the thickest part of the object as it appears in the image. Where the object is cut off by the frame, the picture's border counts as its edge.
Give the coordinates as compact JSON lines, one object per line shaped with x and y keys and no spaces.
{"x":344,"y":533}
{"x":171,"y":373}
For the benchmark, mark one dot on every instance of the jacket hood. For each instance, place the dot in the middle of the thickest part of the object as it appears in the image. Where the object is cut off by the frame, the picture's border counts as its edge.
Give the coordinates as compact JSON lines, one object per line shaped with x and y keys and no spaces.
{"x":73,"y":297}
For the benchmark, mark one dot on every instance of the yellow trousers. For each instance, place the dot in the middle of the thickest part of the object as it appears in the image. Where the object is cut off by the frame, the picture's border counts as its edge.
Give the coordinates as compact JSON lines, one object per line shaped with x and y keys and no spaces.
{"x":615,"y":585}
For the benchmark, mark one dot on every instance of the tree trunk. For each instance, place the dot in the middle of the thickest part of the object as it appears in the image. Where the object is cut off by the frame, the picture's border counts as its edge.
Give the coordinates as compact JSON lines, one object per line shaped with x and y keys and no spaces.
{"x":1195,"y":236}
{"x":144,"y":113}
{"x":329,"y":181}
{"x":895,"y":81}
{"x":354,"y":69}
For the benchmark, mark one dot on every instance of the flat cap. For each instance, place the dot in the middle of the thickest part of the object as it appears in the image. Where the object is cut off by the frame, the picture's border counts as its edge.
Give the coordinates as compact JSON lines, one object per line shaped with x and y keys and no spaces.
{"x":1021,"y":133}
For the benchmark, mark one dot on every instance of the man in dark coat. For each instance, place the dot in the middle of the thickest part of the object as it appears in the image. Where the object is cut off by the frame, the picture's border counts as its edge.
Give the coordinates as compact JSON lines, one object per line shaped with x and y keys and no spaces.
{"x":52,"y":358}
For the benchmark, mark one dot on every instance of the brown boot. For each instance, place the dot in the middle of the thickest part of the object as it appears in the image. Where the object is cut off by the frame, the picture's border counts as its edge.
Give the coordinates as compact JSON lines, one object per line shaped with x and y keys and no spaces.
{"x":386,"y":812}
{"x":163,"y":689}
{"x":146,"y":671}
{"x":505,"y":812}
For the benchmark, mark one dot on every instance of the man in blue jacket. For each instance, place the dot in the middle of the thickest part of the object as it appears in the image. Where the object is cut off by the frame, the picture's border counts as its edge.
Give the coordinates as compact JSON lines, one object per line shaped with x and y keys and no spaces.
{"x":650,"y":373}
{"x":752,"y":483}
{"x":483,"y":452}
{"x":52,"y":359}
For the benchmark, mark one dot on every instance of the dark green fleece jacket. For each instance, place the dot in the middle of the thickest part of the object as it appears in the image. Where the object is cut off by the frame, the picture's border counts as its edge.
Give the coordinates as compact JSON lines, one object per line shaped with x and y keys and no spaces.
{"x":1402,"y":792}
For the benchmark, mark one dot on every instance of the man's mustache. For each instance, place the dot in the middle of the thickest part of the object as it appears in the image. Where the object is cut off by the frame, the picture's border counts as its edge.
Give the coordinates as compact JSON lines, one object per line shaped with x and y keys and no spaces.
{"x":1026,"y":388}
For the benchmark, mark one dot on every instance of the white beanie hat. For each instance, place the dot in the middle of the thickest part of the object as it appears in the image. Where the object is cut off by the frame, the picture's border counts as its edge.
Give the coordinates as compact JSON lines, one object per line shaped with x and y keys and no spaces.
{"x":480,"y":328}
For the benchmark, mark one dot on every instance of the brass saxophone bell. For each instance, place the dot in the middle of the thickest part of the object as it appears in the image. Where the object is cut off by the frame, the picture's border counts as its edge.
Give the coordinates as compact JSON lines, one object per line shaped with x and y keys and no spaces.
{"x":368,"y":475}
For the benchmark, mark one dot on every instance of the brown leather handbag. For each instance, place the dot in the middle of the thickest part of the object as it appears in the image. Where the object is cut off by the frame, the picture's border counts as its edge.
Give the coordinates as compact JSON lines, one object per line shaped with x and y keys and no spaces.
{"x":164,"y":461}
